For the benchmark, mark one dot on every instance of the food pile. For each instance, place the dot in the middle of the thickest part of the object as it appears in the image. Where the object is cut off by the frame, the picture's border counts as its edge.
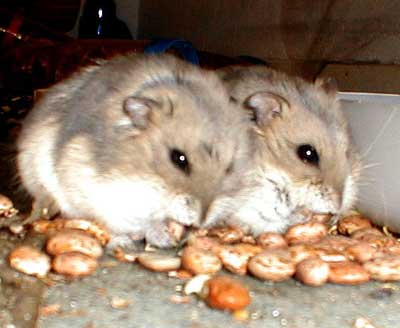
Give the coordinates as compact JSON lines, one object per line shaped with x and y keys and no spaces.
{"x":351,"y":252}
{"x":74,"y":245}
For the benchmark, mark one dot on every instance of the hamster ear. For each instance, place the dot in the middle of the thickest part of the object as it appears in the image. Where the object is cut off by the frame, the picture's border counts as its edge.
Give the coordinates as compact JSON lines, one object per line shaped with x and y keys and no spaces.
{"x":327,"y":84}
{"x":138,"y":110}
{"x":266,"y":106}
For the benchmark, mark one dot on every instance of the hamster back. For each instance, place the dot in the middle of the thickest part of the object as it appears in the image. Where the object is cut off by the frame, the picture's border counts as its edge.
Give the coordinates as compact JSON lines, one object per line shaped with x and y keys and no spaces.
{"x":133,"y":142}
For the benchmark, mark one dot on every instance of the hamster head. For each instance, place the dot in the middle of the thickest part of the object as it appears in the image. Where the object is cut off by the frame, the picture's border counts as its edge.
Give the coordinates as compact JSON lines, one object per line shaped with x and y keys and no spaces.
{"x":303,"y":156}
{"x":191,"y":142}
{"x":187,"y":131}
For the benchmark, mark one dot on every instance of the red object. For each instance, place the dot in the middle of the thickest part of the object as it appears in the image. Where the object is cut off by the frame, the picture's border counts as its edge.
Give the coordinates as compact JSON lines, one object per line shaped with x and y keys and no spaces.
{"x":42,"y":62}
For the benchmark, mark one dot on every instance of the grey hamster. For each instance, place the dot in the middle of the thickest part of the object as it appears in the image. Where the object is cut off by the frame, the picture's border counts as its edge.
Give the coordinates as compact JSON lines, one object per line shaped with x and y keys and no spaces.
{"x":133,"y":142}
{"x":303,"y":155}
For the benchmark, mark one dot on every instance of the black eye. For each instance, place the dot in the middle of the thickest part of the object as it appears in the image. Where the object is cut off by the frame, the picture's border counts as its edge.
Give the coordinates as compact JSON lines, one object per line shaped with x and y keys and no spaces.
{"x":308,"y":154}
{"x":180,"y":160}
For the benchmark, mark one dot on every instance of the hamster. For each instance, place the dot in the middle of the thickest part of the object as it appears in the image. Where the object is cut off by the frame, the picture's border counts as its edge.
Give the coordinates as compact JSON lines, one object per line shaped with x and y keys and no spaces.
{"x":133,"y":142}
{"x":303,"y":159}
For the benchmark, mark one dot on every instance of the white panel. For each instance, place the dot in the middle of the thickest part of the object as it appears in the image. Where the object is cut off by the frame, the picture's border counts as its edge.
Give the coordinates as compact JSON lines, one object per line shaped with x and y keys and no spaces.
{"x":375,"y":124}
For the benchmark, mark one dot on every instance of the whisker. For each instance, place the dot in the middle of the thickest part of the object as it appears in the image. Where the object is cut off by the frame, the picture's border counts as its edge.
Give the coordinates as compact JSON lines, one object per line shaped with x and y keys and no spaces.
{"x":370,"y":165}
{"x":380,"y":133}
{"x":365,"y":184}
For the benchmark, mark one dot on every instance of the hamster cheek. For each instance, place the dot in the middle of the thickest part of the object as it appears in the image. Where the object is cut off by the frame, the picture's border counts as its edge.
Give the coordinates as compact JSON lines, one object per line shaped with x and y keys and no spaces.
{"x":255,"y":210}
{"x":317,"y":199}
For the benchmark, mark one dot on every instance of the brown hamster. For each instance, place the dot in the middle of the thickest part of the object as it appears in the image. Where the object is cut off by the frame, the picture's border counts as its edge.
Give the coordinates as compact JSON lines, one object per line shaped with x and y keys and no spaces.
{"x":133,"y":142}
{"x":303,"y":155}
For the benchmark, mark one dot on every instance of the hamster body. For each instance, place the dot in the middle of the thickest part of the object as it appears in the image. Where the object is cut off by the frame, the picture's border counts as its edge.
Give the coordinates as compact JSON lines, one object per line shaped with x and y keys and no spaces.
{"x":303,"y":156}
{"x":133,"y":142}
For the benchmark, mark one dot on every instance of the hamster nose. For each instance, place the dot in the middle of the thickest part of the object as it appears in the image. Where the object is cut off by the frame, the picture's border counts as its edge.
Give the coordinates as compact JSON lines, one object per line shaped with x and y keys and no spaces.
{"x":206,"y":208}
{"x":204,"y":211}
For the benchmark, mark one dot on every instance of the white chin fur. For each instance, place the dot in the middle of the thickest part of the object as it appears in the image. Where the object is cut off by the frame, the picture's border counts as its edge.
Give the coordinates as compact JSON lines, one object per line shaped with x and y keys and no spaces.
{"x":268,"y":206}
{"x":349,"y":194}
{"x":256,"y":209}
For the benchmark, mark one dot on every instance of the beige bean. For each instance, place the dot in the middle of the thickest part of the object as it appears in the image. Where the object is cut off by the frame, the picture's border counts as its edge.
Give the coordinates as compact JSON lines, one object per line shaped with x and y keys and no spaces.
{"x":91,"y":227}
{"x":361,"y":233}
{"x":352,"y":223}
{"x":74,"y":264}
{"x":308,"y":232}
{"x":331,"y":255}
{"x":227,"y":235}
{"x":362,"y":252}
{"x":312,"y":272}
{"x":386,"y":268}
{"x":380,"y":242}
{"x":29,"y":260}
{"x":73,"y":241}
{"x":393,"y":249}
{"x":301,"y":252}
{"x":337,"y":243}
{"x":159,"y":262}
{"x":271,"y":240}
{"x":200,"y":261}
{"x":235,"y":257}
{"x":347,"y":273}
{"x":272,"y":264}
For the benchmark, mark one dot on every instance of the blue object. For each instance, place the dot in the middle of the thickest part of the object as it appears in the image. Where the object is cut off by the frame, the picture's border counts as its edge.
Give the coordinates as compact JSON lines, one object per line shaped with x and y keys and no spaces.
{"x":184,"y":48}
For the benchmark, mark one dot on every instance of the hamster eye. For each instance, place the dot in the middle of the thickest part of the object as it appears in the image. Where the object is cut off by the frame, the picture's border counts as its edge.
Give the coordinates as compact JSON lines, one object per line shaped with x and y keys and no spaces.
{"x":180,"y":160}
{"x":308,"y":154}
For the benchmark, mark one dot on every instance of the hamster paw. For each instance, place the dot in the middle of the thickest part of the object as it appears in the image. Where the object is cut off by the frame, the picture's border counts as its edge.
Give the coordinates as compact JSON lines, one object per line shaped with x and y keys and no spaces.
{"x":124,"y":241}
{"x":163,"y":235}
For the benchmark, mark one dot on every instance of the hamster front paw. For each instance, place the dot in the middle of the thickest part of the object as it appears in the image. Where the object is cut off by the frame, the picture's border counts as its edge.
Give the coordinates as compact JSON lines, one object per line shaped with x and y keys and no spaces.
{"x":164,"y":234}
{"x":124,"y":241}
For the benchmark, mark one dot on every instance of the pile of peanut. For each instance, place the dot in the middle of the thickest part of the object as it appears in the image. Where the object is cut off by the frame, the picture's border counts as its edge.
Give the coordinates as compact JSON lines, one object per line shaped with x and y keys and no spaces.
{"x":74,"y":245}
{"x":351,"y":252}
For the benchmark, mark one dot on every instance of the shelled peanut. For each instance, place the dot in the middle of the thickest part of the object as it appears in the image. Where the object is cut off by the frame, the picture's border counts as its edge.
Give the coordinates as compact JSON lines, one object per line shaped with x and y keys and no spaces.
{"x":353,"y":254}
{"x":74,"y":245}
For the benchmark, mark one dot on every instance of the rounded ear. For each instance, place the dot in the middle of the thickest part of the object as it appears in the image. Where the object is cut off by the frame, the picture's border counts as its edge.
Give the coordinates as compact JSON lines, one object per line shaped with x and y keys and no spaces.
{"x":266,"y":106}
{"x":327,"y":84}
{"x":138,"y":110}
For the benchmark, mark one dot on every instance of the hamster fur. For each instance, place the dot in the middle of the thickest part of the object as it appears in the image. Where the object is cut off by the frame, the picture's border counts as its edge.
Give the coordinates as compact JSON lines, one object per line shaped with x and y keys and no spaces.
{"x":133,"y":142}
{"x":303,"y":157}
